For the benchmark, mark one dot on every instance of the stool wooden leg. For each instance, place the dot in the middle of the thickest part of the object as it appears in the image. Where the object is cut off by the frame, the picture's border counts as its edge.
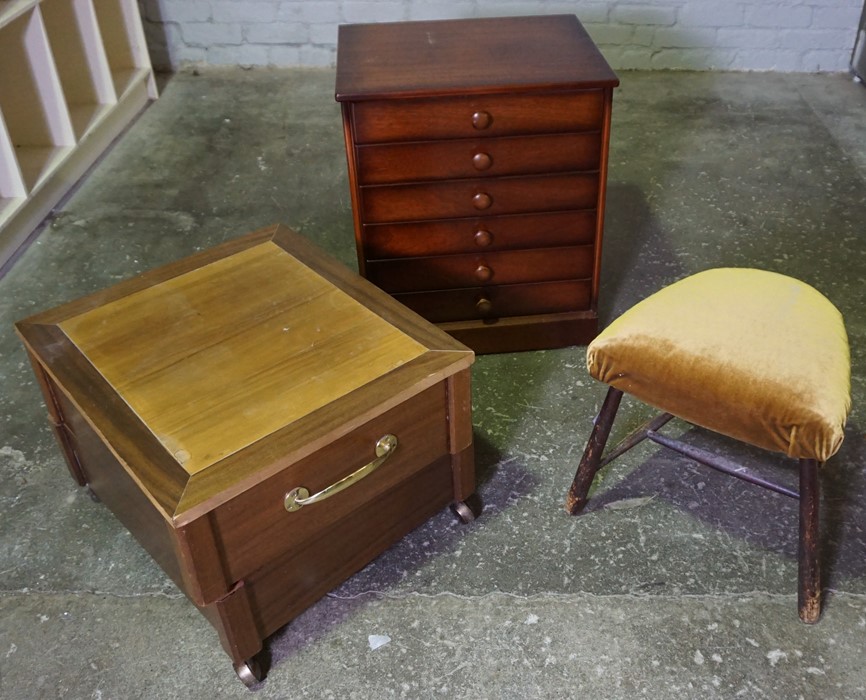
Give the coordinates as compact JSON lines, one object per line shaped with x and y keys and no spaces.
{"x":809,"y":586}
{"x":576,"y":499}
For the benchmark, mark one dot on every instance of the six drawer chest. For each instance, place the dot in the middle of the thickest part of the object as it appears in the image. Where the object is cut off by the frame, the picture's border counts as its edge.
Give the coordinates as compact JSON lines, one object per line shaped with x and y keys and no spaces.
{"x":477,"y":153}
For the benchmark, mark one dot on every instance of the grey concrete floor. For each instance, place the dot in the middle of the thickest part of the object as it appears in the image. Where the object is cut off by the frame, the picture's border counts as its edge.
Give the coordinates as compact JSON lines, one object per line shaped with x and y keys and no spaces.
{"x":676,"y":583}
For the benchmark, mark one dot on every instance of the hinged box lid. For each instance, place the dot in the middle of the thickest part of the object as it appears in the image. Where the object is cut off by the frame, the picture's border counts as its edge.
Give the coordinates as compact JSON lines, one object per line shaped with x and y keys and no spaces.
{"x":207,"y":375}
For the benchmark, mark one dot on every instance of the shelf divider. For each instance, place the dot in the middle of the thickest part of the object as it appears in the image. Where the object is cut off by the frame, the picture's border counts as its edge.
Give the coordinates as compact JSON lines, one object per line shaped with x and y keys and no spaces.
{"x":73,"y":75}
{"x":81,"y":61}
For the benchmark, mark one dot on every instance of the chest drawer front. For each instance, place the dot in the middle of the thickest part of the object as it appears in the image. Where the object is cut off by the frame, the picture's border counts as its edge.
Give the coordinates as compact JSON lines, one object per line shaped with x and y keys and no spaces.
{"x":305,"y":575}
{"x":516,"y":231}
{"x":461,"y":198}
{"x":254,"y":529}
{"x":505,"y":301}
{"x":418,"y":119}
{"x":467,"y":158}
{"x":511,"y":267}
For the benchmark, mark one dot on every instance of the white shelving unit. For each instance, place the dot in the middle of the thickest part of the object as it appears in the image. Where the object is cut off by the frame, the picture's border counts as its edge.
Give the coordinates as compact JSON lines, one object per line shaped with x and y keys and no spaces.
{"x":73,"y":74}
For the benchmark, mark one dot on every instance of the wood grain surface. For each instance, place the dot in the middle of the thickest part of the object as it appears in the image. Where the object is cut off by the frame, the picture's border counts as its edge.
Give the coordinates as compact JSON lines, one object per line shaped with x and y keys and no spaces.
{"x":218,"y":358}
{"x":477,"y":55}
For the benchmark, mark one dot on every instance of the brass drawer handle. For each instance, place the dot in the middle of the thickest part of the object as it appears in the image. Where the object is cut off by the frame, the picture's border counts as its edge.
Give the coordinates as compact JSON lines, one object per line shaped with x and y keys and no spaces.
{"x":484,"y":306}
{"x":483,"y":273}
{"x":299,"y":496}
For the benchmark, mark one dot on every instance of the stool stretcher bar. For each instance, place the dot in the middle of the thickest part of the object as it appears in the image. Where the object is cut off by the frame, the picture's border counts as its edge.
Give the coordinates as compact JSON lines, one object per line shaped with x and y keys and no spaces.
{"x":718,"y":463}
{"x":634,"y":438}
{"x":809,"y":574}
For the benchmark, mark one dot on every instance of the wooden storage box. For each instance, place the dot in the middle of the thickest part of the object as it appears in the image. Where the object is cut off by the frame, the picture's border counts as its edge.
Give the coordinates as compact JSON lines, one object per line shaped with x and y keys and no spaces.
{"x":477,"y":155}
{"x":203,"y":401}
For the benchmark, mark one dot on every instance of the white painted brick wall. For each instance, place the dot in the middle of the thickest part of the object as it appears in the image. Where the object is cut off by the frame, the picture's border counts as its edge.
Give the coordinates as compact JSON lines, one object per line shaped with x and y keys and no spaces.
{"x":771,"y":35}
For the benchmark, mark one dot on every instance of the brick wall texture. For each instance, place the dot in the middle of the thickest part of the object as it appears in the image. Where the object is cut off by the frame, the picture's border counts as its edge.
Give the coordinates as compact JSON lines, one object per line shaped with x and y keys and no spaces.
{"x":740,"y":35}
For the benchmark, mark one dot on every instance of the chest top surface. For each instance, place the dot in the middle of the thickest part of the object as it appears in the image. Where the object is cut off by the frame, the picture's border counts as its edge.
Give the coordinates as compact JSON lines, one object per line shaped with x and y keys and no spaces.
{"x":219,"y":357}
{"x":402,"y":59}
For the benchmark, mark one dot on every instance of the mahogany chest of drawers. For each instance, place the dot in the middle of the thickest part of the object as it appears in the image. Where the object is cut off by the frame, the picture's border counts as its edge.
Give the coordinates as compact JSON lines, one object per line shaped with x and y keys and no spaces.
{"x":477,"y":154}
{"x":264,"y":421}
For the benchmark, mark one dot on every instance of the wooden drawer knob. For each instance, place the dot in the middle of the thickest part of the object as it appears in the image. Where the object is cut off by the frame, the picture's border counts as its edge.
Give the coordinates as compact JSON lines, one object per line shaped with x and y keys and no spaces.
{"x":483,"y":238}
{"x":483,"y":273}
{"x":484,"y":306}
{"x":482,"y":200}
{"x":481,"y":120}
{"x":481,"y":161}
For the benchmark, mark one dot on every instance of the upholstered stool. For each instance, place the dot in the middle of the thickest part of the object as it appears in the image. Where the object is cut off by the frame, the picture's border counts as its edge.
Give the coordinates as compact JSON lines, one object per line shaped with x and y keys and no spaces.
{"x":754,"y":355}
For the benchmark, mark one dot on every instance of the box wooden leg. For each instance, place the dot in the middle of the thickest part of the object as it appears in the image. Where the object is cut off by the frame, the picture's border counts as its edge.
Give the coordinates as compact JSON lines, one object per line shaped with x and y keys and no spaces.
{"x":56,"y":418}
{"x":232,"y":617}
{"x":460,"y":445}
{"x":463,"y":471}
{"x":466,"y":504}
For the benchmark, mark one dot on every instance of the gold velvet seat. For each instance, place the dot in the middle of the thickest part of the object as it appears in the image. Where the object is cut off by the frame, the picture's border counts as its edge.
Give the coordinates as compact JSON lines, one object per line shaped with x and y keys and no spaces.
{"x":754,"y":355}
